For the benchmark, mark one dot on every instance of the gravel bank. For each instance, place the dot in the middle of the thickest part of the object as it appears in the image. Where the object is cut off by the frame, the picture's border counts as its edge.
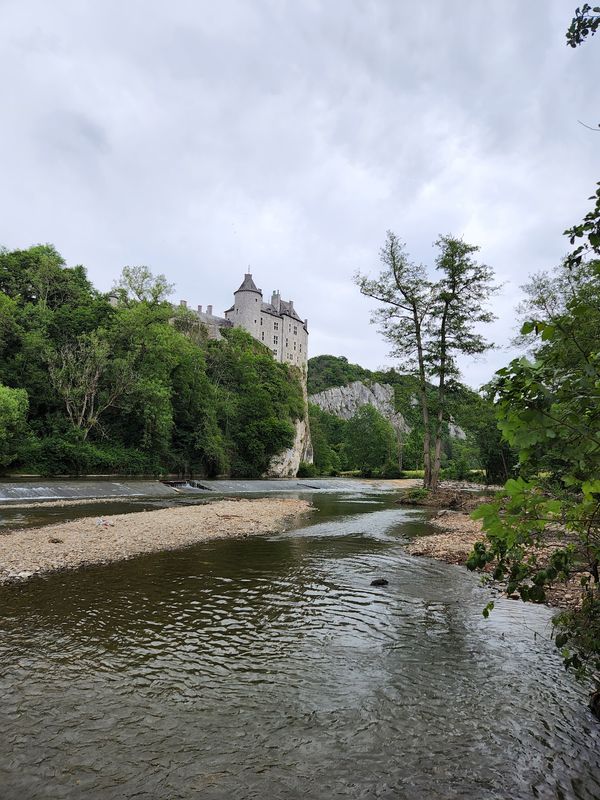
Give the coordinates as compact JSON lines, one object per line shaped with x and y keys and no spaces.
{"x":457,"y":536}
{"x":90,"y":540}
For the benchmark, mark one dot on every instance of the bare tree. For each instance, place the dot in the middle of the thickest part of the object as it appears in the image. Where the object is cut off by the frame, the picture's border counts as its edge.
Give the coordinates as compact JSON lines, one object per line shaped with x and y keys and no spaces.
{"x":88,"y":381}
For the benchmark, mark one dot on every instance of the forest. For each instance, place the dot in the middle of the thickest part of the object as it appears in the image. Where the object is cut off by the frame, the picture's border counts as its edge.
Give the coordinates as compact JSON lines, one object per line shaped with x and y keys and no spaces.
{"x":126,"y":384}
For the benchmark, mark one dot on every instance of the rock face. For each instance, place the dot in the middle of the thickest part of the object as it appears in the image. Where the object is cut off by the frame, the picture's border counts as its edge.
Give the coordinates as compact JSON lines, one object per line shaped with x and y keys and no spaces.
{"x":285,"y":465}
{"x":455,"y":432}
{"x":344,"y":402}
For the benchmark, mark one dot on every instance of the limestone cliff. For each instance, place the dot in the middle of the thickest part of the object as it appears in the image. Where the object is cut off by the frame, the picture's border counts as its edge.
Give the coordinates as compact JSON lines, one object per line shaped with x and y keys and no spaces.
{"x":285,"y":464}
{"x":344,"y":402}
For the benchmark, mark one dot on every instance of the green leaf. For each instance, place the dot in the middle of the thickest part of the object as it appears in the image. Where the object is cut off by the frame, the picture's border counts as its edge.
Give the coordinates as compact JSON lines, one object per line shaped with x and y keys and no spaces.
{"x":487,"y":609}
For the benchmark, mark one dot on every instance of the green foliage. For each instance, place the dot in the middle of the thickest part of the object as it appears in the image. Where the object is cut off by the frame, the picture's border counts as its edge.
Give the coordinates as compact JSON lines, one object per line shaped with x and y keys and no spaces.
{"x":419,"y":495}
{"x":549,"y":409}
{"x":515,"y":537}
{"x":13,"y":413}
{"x":585,"y":23}
{"x":370,"y":441}
{"x":586,"y":235}
{"x":429,"y":323}
{"x":136,"y":388}
{"x":256,"y":401}
{"x":326,"y":433}
{"x":138,"y":284}
{"x":327,"y":371}
{"x":307,"y":470}
{"x":474,"y":413}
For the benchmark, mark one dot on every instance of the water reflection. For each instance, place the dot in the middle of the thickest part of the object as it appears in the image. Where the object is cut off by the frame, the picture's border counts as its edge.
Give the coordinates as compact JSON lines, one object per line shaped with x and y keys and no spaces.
{"x":271,"y":668}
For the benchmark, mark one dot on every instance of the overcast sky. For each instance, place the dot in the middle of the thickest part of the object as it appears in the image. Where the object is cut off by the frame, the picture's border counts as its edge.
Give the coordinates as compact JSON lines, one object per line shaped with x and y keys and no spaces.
{"x":203,"y":138}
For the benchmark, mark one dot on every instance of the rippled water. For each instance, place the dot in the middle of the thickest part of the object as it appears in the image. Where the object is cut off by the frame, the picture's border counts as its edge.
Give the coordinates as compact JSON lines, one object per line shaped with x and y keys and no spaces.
{"x":270,"y":668}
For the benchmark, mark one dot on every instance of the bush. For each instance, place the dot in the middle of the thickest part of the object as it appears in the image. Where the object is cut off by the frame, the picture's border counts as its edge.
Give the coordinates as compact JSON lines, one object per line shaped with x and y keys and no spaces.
{"x":416,"y":495}
{"x":458,"y":470}
{"x":306,"y":470}
{"x":391,"y":470}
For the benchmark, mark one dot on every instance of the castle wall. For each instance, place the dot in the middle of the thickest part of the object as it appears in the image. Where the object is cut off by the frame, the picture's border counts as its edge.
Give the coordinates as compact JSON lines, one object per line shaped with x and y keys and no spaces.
{"x":294,"y":341}
{"x":271,"y":333}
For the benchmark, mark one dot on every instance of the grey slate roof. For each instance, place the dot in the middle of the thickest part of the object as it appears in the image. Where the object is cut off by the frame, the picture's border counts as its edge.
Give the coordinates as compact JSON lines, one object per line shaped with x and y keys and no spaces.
{"x":248,"y":285}
{"x":287,"y":309}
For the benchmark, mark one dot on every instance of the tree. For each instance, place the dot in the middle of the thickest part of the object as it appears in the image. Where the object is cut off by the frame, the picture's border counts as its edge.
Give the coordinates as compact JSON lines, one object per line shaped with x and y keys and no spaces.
{"x":370,"y":440}
{"x":138,"y":284}
{"x":407,"y":298}
{"x":460,"y":305}
{"x":88,"y":381}
{"x":429,"y":323}
{"x":549,"y":409}
{"x":13,"y":413}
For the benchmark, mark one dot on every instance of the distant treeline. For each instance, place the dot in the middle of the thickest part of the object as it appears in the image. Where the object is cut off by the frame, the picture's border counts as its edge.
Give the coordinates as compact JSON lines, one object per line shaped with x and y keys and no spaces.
{"x":129,"y":386}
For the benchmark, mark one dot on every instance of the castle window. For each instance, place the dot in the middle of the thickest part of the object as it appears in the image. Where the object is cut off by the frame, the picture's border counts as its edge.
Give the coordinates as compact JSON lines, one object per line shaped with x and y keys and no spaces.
{"x":295,"y":330}
{"x":300,"y":348}
{"x":262,"y":336}
{"x":286,"y":343}
{"x":261,"y":320}
{"x":294,"y":345}
{"x":274,"y":352}
{"x":276,"y":340}
{"x":276,"y":326}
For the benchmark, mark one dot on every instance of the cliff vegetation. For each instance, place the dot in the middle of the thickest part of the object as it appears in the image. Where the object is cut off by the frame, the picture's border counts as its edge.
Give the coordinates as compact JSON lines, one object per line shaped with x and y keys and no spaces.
{"x":472,"y":447}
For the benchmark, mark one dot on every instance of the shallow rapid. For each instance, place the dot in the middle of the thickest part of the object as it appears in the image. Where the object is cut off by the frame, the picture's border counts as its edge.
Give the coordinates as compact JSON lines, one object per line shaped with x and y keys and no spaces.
{"x":271,"y":668}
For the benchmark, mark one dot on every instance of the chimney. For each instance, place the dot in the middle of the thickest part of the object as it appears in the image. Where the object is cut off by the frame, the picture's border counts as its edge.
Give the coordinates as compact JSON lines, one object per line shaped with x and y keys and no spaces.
{"x":209,"y":310}
{"x":291,"y":305}
{"x":276,"y":300}
{"x":183,"y":303}
{"x":199,"y":309}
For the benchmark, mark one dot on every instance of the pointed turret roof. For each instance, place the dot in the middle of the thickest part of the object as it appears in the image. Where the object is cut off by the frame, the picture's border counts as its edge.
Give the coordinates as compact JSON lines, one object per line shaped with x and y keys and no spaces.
{"x":248,"y":285}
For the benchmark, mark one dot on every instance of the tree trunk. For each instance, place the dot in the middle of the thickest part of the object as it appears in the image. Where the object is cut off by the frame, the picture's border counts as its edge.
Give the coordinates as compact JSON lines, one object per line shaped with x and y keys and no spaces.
{"x":437,"y":462}
{"x":424,"y":403}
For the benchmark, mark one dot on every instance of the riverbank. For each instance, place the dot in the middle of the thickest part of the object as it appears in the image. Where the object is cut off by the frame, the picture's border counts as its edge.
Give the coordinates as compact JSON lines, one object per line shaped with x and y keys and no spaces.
{"x":77,"y":543}
{"x":456,"y":538}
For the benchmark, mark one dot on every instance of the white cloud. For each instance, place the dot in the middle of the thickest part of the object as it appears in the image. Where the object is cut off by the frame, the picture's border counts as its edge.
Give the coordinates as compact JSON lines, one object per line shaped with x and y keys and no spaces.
{"x":199,"y":138}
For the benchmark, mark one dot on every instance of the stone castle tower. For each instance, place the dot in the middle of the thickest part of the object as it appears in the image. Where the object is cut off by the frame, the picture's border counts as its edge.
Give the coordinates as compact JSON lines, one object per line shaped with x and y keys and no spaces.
{"x":275,"y":324}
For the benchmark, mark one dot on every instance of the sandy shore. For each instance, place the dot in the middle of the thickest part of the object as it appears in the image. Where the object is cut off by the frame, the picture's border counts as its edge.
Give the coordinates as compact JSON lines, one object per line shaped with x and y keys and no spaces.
{"x":24,"y":553}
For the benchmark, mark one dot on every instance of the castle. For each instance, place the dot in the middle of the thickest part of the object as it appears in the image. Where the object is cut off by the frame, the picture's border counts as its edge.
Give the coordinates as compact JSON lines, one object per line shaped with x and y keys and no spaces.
{"x":275,"y":324}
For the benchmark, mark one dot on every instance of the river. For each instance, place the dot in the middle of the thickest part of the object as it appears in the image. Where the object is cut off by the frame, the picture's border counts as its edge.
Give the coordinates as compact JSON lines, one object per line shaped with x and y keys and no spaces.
{"x":269,"y":667}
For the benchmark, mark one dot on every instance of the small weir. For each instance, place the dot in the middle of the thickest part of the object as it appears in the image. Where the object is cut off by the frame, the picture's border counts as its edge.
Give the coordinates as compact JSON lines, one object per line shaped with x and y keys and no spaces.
{"x":24,"y":491}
